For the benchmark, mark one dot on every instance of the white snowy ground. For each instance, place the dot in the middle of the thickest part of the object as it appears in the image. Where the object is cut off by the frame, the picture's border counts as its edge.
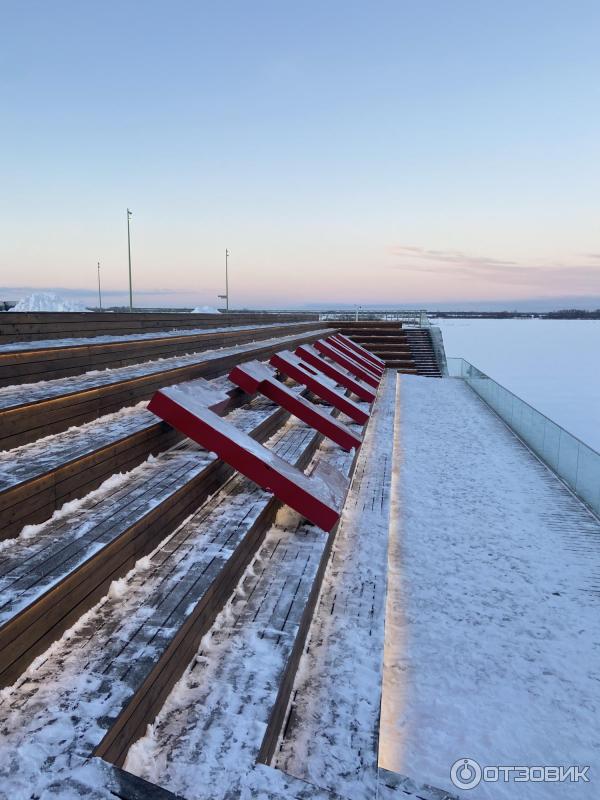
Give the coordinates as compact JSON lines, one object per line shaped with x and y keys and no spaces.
{"x":493,"y":646}
{"x":551,"y":364}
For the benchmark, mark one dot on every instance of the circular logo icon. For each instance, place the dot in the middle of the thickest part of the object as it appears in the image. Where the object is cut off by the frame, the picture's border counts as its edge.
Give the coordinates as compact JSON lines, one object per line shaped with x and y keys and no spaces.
{"x":465,"y":773}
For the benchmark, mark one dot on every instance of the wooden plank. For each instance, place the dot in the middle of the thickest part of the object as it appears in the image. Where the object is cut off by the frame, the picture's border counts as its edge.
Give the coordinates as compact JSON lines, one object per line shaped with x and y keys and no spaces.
{"x":280,"y":707}
{"x":28,"y":326}
{"x":29,"y":632}
{"x":159,"y":680}
{"x":29,"y":421}
{"x":35,"y":501}
{"x":55,"y":362}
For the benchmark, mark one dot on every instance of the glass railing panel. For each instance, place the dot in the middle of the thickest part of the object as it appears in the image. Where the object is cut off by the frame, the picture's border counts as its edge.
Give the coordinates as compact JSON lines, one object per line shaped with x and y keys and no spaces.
{"x":571,"y":459}
{"x":568,"y":458}
{"x":551,"y":447}
{"x":588,"y":476}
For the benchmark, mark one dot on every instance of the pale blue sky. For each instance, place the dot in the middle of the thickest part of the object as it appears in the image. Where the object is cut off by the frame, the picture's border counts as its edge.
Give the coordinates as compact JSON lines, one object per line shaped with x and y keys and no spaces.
{"x":393,"y":152}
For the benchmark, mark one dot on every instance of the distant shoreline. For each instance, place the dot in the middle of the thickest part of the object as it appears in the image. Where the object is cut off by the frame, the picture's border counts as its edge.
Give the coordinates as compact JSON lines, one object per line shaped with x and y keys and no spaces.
{"x":571,"y":313}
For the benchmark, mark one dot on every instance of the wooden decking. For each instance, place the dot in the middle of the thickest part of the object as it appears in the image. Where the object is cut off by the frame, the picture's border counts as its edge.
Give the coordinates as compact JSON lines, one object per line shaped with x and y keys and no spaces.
{"x":408,"y":350}
{"x":30,"y":411}
{"x":54,"y":359}
{"x":40,"y":326}
{"x":172,"y":593}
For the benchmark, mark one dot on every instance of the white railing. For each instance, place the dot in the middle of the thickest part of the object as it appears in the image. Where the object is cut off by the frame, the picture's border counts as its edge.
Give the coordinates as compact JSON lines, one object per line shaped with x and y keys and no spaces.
{"x":416,"y":319}
{"x":566,"y":455}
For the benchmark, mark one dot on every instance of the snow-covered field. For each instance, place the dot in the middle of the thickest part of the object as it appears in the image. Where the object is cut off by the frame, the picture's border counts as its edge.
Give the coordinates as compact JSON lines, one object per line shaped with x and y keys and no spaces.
{"x":493,"y":631}
{"x":552,"y":364}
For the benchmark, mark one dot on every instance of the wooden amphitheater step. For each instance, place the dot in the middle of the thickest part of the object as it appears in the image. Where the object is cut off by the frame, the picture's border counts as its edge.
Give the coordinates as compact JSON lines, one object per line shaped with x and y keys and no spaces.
{"x":38,"y":478}
{"x":384,"y":343}
{"x":129,"y":651}
{"x":270,"y":608}
{"x":423,"y":352}
{"x":408,"y":350}
{"x":56,"y":573}
{"x":39,"y":326}
{"x":31,"y":411}
{"x":385,"y":351}
{"x":238,"y":692}
{"x":25,"y":363}
{"x":375,"y":334}
{"x":366,"y":325}
{"x":392,"y":353}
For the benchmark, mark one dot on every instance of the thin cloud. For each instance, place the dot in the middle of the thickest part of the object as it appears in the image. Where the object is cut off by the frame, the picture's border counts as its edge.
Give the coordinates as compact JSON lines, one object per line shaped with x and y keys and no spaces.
{"x":71,"y":292}
{"x":454,"y":263}
{"x":451,"y":257}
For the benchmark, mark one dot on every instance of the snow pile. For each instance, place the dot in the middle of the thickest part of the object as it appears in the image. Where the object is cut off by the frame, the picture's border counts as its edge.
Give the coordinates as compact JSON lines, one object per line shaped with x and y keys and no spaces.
{"x":47,"y":301}
{"x":205,"y":310}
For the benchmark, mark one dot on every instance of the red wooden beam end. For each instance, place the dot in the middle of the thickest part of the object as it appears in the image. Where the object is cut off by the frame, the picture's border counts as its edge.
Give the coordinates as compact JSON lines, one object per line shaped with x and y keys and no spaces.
{"x":374,"y":369}
{"x":343,"y":341}
{"x":206,"y":393}
{"x":293,"y":367}
{"x":362,"y":373}
{"x":255,"y":376}
{"x":319,"y":498}
{"x":360,"y":389}
{"x":359,"y":349}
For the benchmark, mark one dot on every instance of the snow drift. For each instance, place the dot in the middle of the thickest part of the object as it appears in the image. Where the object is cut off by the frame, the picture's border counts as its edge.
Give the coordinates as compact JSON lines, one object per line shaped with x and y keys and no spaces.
{"x":47,"y":301}
{"x":205,"y":310}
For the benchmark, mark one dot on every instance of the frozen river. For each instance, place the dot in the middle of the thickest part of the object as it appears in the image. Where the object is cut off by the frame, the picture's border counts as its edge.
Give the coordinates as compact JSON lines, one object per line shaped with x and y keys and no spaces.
{"x":552,"y":364}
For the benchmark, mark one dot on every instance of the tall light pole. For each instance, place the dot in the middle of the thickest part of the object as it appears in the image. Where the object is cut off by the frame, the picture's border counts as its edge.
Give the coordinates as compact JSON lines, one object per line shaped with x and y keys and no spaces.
{"x":226,"y":279}
{"x":226,"y":295}
{"x":99,"y":290}
{"x":129,"y":254}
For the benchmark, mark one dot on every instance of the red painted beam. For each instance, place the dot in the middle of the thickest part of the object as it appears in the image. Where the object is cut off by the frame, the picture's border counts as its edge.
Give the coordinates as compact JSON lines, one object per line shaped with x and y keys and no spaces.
{"x":374,"y":369}
{"x":362,"y":373}
{"x":333,"y":371}
{"x":254,"y":376}
{"x":319,"y":498}
{"x":359,"y":349}
{"x":290,"y":365}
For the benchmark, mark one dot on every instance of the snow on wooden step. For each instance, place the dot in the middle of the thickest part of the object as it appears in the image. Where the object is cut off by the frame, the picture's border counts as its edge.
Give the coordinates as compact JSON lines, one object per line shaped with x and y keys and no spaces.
{"x":83,"y":341}
{"x":37,"y":458}
{"x":319,"y":498}
{"x":331,"y":739}
{"x":66,"y":701}
{"x":206,"y":739}
{"x":45,"y":554}
{"x":256,"y":376}
{"x":292,"y":366}
{"x":336,"y":372}
{"x":24,"y":394}
{"x":340,"y":356}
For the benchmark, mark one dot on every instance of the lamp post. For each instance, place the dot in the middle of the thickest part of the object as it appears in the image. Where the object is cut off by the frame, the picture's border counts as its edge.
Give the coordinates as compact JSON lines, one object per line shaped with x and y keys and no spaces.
{"x":129,"y":254}
{"x":226,"y":295}
{"x":99,"y":290}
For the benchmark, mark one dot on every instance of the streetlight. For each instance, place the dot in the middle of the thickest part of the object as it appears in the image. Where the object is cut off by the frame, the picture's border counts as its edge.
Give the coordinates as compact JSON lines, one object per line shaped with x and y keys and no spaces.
{"x":99,"y":290}
{"x":226,"y":295}
{"x":129,"y":254}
